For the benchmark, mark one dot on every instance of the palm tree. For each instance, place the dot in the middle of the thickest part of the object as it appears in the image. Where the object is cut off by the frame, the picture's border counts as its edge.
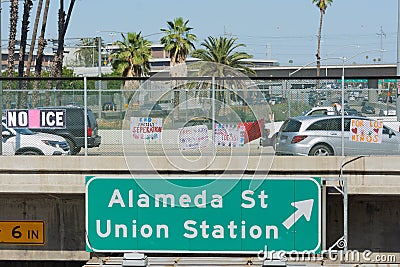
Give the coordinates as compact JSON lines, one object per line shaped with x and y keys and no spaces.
{"x":11,"y":47}
{"x":22,"y":50}
{"x":178,"y":42}
{"x":33,"y":40}
{"x":42,"y":42}
{"x":40,"y":53}
{"x":322,"y":5}
{"x":56,"y":68}
{"x":57,"y":64}
{"x":132,"y":59}
{"x":24,"y":36}
{"x":222,"y":50}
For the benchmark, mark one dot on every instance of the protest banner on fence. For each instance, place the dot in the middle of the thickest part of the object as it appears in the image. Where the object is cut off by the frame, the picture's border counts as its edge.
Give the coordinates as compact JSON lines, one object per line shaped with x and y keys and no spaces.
{"x":229,"y":135}
{"x":146,"y":128}
{"x":367,"y":131}
{"x":193,"y":137}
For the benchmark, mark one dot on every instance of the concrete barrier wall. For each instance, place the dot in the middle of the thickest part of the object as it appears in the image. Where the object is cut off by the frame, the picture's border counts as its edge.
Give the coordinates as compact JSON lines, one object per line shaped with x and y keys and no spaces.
{"x":52,"y":189}
{"x":367,"y":175}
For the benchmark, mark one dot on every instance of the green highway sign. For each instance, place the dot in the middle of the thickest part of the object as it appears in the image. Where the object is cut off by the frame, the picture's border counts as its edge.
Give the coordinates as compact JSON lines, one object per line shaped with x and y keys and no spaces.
{"x":387,"y":81}
{"x":353,"y":80}
{"x":223,"y":215}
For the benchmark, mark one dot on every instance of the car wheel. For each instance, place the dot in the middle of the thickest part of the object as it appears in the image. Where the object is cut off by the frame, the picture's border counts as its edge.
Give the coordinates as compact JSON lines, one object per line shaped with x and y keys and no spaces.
{"x":72,"y":147}
{"x":321,"y":150}
{"x":77,"y":150}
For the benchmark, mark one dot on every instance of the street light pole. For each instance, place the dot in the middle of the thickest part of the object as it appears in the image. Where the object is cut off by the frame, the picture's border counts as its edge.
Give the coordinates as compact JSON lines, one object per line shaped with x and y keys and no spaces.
{"x":331,"y":52}
{"x":99,"y":74}
{"x":342,"y":107}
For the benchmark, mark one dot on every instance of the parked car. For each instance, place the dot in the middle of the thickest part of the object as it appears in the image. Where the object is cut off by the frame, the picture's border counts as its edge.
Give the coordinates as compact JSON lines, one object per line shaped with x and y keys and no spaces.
{"x":109,"y":106}
{"x":151,"y":110}
{"x":368,"y":109}
{"x":74,"y":131}
{"x":22,"y":141}
{"x":271,"y":129}
{"x":351,"y":112}
{"x":322,"y":136}
{"x":276,"y":100}
{"x":389,"y":112}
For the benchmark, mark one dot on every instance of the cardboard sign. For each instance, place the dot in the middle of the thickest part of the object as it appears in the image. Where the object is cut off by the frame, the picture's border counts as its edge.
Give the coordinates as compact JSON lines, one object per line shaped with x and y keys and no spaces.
{"x":367,"y":131}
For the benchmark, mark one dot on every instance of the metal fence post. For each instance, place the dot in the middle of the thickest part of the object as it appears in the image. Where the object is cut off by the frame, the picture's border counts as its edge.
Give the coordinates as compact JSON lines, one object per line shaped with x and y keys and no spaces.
{"x":85,"y":112}
{"x":213,"y":111}
{"x":288,"y":99}
{"x":99,"y":75}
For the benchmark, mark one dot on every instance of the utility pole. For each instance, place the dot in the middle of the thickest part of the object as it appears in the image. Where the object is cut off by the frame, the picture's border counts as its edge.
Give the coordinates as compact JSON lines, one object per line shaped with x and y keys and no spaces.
{"x":381,"y":34}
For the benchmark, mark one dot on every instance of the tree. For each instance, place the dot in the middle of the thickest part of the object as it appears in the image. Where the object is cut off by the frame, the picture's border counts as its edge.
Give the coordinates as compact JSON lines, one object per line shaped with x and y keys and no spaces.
{"x":56,"y":67}
{"x":33,"y":40}
{"x":24,"y":36}
{"x":178,"y":42}
{"x":57,"y":64}
{"x":22,"y":50}
{"x":11,"y":47}
{"x":40,"y":52}
{"x":322,"y":5}
{"x":87,"y":53}
{"x":42,"y":42}
{"x":222,"y":50}
{"x":132,"y":59}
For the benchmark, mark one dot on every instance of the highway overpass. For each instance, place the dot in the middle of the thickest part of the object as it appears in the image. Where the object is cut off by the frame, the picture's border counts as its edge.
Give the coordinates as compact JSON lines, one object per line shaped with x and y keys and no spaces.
{"x":358,"y":70}
{"x":52,"y":189}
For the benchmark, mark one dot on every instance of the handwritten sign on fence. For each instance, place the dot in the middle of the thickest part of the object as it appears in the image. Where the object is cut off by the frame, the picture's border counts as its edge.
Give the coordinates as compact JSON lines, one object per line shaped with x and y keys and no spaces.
{"x":229,"y":135}
{"x":146,"y":128}
{"x":368,"y":131}
{"x":193,"y":137}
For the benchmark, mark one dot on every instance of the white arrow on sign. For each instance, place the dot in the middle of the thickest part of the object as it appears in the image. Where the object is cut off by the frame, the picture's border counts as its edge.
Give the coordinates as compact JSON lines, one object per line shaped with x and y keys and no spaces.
{"x":304,"y":208}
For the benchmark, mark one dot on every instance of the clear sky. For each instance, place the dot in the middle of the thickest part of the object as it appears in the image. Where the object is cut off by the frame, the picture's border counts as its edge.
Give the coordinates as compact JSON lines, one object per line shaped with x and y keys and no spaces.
{"x":283,"y":30}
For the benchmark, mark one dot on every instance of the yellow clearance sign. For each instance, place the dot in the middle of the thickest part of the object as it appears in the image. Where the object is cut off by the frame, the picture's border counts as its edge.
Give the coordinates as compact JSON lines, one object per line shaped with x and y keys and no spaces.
{"x":22,"y":232}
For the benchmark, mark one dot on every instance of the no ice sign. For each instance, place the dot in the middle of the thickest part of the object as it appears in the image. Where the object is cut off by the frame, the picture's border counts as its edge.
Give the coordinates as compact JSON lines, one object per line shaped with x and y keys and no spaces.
{"x":36,"y":118}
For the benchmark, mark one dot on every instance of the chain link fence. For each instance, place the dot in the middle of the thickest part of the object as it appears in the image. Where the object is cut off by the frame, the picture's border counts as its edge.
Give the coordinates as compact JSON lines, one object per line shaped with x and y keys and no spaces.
{"x":201,"y":115}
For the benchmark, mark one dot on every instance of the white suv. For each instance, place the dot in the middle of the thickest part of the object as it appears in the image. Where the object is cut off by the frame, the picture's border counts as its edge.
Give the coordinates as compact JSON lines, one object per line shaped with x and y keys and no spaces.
{"x":22,"y":141}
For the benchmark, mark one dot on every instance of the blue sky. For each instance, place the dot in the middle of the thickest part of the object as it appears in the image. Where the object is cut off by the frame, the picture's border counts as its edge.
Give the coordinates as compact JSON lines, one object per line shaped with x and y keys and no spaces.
{"x":277,"y":29}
